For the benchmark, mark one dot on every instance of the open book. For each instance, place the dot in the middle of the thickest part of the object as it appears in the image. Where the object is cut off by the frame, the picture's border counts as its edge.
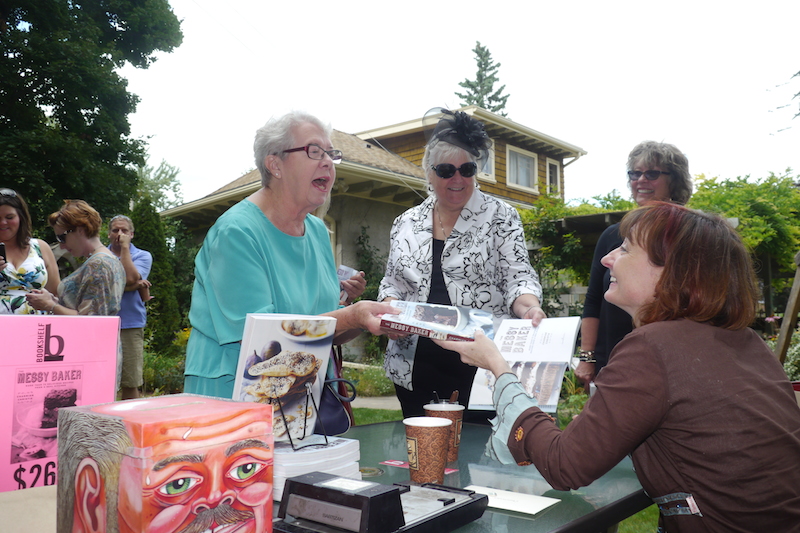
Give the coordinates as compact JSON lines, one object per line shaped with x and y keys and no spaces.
{"x":539,"y":356}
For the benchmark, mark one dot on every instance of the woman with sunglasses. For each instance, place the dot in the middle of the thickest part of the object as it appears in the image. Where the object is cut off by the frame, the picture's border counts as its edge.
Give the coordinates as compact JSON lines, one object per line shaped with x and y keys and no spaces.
{"x":96,"y":287}
{"x":25,"y":263}
{"x":657,"y":172}
{"x":269,"y":254}
{"x":693,"y":395}
{"x":459,"y":247}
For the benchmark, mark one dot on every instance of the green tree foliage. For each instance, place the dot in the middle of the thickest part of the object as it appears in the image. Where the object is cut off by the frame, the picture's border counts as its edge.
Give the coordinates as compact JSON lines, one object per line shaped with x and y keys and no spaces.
{"x":64,"y":130}
{"x":163,"y":315}
{"x":372,"y":263}
{"x":161,"y":185}
{"x":183,"y":251}
{"x":558,"y":258}
{"x":768,"y":211}
{"x":481,"y":91}
{"x":612,"y":201}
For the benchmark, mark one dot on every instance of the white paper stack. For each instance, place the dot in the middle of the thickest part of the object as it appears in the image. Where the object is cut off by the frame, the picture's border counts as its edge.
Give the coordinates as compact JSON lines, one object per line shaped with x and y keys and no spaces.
{"x":339,"y":457}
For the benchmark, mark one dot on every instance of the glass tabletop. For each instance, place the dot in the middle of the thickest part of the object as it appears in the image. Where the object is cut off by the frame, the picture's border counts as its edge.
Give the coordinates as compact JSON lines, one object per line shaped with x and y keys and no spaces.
{"x":608,"y":500}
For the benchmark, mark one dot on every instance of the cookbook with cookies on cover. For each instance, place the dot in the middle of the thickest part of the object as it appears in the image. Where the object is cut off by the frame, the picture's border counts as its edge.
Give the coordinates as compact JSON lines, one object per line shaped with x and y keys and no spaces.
{"x":283,"y":362}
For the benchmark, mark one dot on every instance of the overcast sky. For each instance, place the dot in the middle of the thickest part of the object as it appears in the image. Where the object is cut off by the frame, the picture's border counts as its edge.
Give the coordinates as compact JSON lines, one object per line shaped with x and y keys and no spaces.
{"x":713,"y":79}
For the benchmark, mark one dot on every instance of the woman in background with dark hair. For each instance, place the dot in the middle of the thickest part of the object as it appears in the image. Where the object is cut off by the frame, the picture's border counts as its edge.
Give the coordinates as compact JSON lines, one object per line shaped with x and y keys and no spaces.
{"x":657,"y":172}
{"x":25,"y":263}
{"x":696,"y":397}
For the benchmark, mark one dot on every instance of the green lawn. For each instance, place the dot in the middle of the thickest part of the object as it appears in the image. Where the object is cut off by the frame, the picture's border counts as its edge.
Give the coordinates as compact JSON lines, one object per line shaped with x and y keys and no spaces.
{"x":643,"y":522}
{"x":366,"y":416}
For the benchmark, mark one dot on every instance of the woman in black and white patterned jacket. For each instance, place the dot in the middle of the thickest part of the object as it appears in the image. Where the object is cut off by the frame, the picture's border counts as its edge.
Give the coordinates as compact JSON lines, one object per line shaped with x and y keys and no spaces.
{"x":459,"y":247}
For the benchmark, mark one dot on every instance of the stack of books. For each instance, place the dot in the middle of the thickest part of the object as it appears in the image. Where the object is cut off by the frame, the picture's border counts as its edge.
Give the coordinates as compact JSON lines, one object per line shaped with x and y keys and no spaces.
{"x":339,"y":457}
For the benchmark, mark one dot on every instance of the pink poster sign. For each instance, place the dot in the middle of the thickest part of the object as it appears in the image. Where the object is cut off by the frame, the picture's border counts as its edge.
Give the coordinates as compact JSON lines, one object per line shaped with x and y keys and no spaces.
{"x":48,"y":362}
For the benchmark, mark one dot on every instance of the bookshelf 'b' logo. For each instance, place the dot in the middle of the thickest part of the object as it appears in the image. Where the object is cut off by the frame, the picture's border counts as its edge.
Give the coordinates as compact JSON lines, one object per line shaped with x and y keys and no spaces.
{"x":49,"y":340}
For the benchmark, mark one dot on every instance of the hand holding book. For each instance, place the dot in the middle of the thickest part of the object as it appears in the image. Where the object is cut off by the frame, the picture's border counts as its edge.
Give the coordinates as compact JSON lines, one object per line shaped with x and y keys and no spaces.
{"x":537,"y":354}
{"x":482,"y":353}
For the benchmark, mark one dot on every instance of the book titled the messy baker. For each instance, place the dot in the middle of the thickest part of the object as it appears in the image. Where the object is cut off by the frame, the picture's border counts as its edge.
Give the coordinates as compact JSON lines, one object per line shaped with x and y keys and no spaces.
{"x":539,"y":356}
{"x":443,"y":322}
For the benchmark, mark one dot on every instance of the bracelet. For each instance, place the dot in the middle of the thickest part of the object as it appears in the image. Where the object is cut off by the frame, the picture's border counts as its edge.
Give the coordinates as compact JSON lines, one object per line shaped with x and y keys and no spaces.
{"x":53,"y":308}
{"x":528,"y":309}
{"x":586,"y":356}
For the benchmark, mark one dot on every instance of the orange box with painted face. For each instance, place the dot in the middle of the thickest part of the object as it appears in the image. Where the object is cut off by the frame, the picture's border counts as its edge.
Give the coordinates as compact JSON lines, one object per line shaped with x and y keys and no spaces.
{"x":165,"y":464}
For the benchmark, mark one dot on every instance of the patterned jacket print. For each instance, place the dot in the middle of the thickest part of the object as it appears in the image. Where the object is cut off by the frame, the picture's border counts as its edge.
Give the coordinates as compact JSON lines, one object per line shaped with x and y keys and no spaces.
{"x":485,"y":266}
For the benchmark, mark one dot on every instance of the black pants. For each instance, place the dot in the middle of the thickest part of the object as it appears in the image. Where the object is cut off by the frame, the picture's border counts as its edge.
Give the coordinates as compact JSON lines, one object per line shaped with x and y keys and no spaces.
{"x":439,"y":371}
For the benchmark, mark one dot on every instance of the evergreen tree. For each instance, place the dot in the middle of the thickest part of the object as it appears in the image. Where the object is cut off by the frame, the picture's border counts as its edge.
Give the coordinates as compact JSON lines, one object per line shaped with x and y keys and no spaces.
{"x":184,"y":249}
{"x":163,"y":315}
{"x":64,"y":130}
{"x":162,"y":187}
{"x":481,"y":91}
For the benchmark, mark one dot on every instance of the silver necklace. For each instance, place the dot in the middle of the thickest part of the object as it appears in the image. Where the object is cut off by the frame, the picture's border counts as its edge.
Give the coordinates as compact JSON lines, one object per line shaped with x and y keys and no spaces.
{"x":439,"y":217}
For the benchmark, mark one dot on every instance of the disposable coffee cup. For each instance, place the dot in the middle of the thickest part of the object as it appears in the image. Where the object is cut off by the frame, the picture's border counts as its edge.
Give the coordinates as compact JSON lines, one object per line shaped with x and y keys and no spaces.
{"x":450,"y":411}
{"x":427,"y":439}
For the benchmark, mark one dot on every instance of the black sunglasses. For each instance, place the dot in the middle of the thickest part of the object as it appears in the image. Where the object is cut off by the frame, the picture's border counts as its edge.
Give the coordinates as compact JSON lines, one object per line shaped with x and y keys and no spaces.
{"x":651,"y":175}
{"x":446,"y":170}
{"x":63,"y":237}
{"x":8,"y":192}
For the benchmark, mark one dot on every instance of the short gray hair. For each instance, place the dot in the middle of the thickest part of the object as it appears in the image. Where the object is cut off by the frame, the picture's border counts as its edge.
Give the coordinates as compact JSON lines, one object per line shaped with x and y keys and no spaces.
{"x":121,"y":217}
{"x":441,"y":152}
{"x":277,"y":135}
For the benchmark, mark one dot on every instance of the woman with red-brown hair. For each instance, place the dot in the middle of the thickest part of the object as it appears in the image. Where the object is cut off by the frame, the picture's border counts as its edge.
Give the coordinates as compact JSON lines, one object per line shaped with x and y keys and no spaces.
{"x":696,"y":398}
{"x":96,"y":287}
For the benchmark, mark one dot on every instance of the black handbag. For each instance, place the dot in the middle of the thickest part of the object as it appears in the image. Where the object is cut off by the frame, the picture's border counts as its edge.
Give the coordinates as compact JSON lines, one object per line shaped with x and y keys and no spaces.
{"x":335,"y":415}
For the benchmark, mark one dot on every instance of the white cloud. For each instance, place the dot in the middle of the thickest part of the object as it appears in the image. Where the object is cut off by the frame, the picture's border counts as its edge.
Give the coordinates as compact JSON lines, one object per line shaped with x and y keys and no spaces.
{"x":704,"y":76}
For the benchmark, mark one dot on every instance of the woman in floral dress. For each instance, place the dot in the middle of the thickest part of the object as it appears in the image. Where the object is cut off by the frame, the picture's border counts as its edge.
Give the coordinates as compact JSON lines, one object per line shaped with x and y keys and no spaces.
{"x":27,"y":263}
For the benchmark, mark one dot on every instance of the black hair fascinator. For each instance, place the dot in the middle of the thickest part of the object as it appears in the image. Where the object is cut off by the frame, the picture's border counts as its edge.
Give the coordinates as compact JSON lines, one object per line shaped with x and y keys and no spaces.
{"x":459,"y":129}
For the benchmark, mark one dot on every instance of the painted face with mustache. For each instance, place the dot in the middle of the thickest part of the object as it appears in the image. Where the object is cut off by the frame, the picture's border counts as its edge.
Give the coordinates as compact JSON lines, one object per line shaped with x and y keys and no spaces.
{"x":222,"y":515}
{"x":208,"y":473}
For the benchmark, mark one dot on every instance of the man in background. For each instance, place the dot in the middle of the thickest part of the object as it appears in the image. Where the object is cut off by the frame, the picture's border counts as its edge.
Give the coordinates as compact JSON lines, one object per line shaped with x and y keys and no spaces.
{"x":133,"y":315}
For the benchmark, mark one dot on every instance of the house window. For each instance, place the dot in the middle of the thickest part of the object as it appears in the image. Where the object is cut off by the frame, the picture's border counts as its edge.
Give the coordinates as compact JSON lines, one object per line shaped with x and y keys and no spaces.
{"x":521,"y":166}
{"x":553,"y":177}
{"x":487,"y":173}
